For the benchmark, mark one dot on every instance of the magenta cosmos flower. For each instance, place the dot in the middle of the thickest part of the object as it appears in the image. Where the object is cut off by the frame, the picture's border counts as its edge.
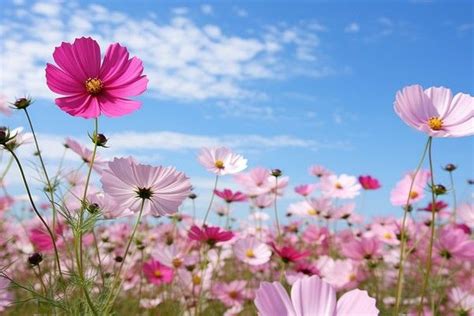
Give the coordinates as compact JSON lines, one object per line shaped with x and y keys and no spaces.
{"x":91,"y":86}
{"x":209,"y":234}
{"x":305,"y":189}
{"x":435,"y":111}
{"x":229,"y":196}
{"x":312,"y":296}
{"x":157,"y":273}
{"x":129,"y":183}
{"x":289,"y":254}
{"x":221,"y":161}
{"x":369,"y":183}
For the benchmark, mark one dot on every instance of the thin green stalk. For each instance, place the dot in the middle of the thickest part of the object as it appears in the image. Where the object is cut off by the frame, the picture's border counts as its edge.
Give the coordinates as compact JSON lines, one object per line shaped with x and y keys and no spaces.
{"x":276,"y":210}
{"x":112,"y":296}
{"x":7,"y":168}
{"x":403,"y":235}
{"x":212,"y":200}
{"x":451,"y":178}
{"x":432,"y":228}
{"x":30,"y":197}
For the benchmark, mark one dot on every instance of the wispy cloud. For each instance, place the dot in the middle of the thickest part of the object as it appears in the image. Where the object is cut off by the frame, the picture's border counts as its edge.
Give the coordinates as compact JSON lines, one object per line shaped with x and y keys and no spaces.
{"x":183,"y":60}
{"x":352,"y":28}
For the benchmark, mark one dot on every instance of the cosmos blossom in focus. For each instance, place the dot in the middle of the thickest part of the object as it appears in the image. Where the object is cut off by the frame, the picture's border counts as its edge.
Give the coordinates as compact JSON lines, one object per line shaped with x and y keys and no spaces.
{"x":221,"y":161}
{"x":435,"y":111}
{"x":162,"y":189}
{"x":312,"y":296}
{"x":92,"y":87}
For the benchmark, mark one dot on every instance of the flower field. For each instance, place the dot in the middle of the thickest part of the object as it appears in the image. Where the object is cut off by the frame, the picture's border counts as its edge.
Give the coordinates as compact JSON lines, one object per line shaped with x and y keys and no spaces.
{"x":112,"y":236}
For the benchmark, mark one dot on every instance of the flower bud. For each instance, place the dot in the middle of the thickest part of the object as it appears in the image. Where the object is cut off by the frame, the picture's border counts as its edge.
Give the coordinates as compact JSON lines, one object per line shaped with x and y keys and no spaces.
{"x":100,"y":139}
{"x":450,"y":167}
{"x":192,"y":196}
{"x":439,"y":189}
{"x":276,"y":173}
{"x":35,"y":259}
{"x":22,"y":103}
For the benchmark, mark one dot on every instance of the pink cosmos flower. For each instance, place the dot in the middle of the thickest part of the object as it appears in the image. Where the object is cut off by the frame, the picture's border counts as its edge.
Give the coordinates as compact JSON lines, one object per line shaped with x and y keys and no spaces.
{"x":362,"y":249}
{"x":289,"y":254}
{"x":319,"y":171}
{"x":435,"y":111}
{"x":162,"y":189}
{"x":92,"y":87}
{"x":157,"y":273}
{"x":209,"y":234}
{"x":342,"y":187}
{"x":454,"y":243}
{"x":229,"y":196}
{"x":6,"y":297}
{"x":369,"y":183}
{"x":5,"y":203}
{"x":312,"y":296}
{"x":466,"y":213}
{"x":264,"y":200}
{"x":438,"y":207}
{"x":305,"y":189}
{"x":41,"y":239}
{"x":4,"y":108}
{"x":231,"y":294}
{"x":252,"y":251}
{"x":256,"y":181}
{"x":221,"y":161}
{"x":86,"y":155}
{"x":401,"y":192}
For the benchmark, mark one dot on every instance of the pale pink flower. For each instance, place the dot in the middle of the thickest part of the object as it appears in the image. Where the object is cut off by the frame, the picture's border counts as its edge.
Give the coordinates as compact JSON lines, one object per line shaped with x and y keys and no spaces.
{"x":221,"y":161}
{"x":92,"y":87}
{"x":319,"y":171}
{"x":312,"y":296}
{"x":6,"y":297}
{"x":252,"y":251}
{"x":435,"y":111}
{"x":255,"y":182}
{"x":86,"y":155}
{"x":362,"y":249}
{"x":466,"y":213}
{"x":462,"y":301}
{"x":264,"y":200}
{"x":338,"y":273}
{"x":4,"y":108}
{"x":401,"y":192}
{"x":305,"y":189}
{"x":19,"y":138}
{"x":162,"y":189}
{"x":231,"y":294}
{"x":342,"y":187}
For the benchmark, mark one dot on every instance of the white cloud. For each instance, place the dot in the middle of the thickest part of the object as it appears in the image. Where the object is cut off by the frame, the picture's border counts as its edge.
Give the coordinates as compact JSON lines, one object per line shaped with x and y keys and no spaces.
{"x":352,"y":28}
{"x":183,"y":60}
{"x":240,"y":12}
{"x":180,"y":11}
{"x":207,"y":9}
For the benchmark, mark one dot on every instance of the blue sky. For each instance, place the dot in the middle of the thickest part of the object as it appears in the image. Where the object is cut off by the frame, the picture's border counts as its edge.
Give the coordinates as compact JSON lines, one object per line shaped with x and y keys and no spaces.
{"x":288,"y":84}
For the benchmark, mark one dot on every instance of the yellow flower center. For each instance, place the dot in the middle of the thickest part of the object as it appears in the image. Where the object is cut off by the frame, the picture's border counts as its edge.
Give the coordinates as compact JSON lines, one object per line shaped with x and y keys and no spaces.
{"x":249,"y":253}
{"x":352,"y":277}
{"x":387,"y":236}
{"x":94,"y":85}
{"x":196,"y":279}
{"x":157,"y":273}
{"x":339,"y":186}
{"x":177,"y":262}
{"x":413,"y":195}
{"x":312,"y":212}
{"x":435,"y":123}
{"x":219,"y":164}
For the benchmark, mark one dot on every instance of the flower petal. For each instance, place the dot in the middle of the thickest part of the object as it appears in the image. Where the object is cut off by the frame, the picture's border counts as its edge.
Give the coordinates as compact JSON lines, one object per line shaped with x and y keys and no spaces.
{"x":271,"y":299}
{"x":356,"y":303}
{"x":313,"y":296}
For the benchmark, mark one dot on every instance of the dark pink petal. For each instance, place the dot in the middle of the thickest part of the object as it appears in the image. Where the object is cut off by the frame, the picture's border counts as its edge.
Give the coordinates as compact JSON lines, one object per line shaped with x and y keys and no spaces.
{"x":128,"y":72}
{"x":132,"y":88}
{"x":87,"y":53}
{"x":62,"y":83}
{"x":113,"y":106}
{"x":116,"y":60}
{"x":82,"y":105}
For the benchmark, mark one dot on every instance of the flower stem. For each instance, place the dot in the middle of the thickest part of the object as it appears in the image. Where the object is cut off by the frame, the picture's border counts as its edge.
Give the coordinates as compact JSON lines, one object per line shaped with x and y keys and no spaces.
{"x":276,"y":210}
{"x":30,"y":197}
{"x":212,"y":200}
{"x":432,"y":233}
{"x":403,"y":235}
{"x":451,"y":178}
{"x":112,"y":296}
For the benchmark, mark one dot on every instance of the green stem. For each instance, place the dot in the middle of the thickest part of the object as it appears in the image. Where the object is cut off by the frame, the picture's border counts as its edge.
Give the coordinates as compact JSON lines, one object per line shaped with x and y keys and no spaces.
{"x":212,"y":200}
{"x":403,"y":235}
{"x":276,"y":210}
{"x":432,"y":228}
{"x":30,"y":197}
{"x":112,"y":296}
{"x":454,"y":195}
